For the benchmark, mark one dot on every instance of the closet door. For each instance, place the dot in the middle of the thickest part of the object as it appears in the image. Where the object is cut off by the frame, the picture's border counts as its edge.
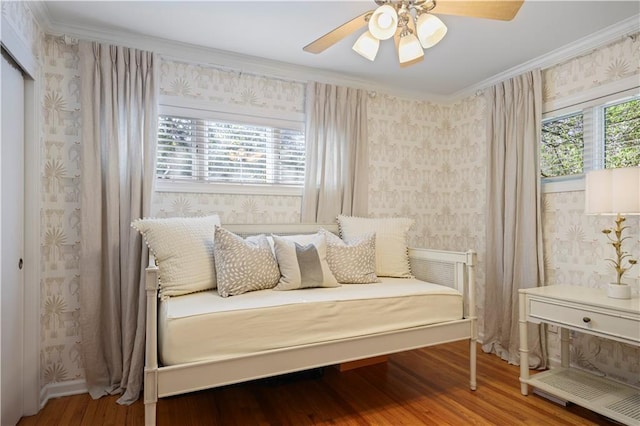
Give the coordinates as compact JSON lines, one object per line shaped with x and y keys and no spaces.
{"x":12,"y":235}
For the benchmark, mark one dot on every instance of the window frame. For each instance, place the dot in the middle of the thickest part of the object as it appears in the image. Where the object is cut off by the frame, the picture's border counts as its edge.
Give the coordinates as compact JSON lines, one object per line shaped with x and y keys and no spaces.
{"x":249,"y":116}
{"x":592,"y":105}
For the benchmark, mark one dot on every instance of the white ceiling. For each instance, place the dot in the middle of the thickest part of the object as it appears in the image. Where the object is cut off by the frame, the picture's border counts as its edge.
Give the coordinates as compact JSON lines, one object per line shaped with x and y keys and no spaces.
{"x":474,"y":50}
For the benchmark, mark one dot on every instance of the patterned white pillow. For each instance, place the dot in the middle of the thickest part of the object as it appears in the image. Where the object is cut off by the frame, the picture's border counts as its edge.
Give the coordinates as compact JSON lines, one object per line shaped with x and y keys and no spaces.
{"x":392,"y":255}
{"x":183,"y":248}
{"x":303,"y":266}
{"x":243,"y":265}
{"x":354,"y":261}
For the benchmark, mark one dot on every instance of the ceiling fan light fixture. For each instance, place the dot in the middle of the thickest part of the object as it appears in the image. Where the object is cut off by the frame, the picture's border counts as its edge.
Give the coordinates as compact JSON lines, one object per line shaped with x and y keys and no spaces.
{"x":409,"y":49}
{"x":384,"y":22}
{"x":367,"y":46}
{"x":431,"y":30}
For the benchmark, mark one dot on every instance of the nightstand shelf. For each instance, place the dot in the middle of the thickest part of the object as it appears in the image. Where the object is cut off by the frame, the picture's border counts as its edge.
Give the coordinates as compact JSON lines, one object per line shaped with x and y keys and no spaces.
{"x":612,"y":399}
{"x":589,"y":311}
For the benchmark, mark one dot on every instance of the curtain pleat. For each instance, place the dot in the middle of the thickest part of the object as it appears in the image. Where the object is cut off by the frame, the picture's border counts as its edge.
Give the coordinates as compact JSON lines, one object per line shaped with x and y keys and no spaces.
{"x":119,"y":97}
{"x":514,"y":231}
{"x":336,"y":176}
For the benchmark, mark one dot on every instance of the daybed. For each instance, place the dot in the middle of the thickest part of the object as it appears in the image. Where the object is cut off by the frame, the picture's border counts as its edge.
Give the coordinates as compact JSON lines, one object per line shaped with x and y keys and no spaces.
{"x":202,"y":340}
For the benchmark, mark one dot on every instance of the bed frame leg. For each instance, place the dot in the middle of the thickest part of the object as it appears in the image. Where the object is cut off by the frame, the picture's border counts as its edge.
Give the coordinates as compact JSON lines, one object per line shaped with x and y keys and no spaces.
{"x":150,"y":396}
{"x":150,"y":413}
{"x":472,"y":364}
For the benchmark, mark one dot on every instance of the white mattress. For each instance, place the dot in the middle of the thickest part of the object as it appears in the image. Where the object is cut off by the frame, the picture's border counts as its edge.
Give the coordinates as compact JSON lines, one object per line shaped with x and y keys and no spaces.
{"x":204,"y":326}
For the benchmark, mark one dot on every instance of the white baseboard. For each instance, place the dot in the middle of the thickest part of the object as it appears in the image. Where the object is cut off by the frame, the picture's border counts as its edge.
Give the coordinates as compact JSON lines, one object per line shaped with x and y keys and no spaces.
{"x":56,"y":390}
{"x":554,"y":362}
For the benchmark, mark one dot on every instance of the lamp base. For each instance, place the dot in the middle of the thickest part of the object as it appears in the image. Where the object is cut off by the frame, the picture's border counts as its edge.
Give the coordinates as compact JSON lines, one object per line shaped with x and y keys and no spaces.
{"x":619,"y":291}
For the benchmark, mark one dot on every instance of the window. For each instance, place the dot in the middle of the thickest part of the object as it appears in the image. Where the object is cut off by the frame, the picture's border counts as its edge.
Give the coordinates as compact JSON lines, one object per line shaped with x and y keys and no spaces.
{"x":622,"y":134}
{"x":206,"y":151}
{"x":562,"y":146}
{"x":592,"y":136}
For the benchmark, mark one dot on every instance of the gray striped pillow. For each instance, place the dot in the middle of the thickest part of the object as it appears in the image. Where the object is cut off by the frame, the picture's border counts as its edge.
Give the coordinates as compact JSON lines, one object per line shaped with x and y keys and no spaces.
{"x":303,"y":266}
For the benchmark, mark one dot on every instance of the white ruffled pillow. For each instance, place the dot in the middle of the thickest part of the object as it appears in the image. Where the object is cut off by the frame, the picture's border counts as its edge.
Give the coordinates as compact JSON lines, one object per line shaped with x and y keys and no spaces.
{"x":183,"y":248}
{"x":392,"y":254}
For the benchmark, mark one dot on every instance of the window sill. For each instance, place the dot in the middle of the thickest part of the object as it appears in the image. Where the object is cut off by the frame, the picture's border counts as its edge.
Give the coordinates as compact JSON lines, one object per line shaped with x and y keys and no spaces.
{"x":235,"y":189}
{"x":565,"y":184}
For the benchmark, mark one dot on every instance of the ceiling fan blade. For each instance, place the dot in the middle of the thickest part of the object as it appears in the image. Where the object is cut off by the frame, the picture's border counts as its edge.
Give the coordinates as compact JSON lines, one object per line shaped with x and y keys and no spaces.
{"x":334,"y":36}
{"x":504,"y":10}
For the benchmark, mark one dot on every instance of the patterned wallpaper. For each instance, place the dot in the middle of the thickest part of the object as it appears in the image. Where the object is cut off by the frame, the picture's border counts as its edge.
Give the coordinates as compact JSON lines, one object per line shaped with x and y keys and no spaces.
{"x":217,"y":86}
{"x":427,"y":162}
{"x":60,"y":358}
{"x":60,"y":215}
{"x":575,"y":248}
{"x":616,"y":61}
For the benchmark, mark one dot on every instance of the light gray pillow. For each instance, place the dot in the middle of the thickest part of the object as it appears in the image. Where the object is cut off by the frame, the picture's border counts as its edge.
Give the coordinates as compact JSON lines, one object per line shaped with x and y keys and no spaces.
{"x":392,"y":252}
{"x":183,"y":248}
{"x":243,"y":265}
{"x":353,"y":261}
{"x":303,"y":266}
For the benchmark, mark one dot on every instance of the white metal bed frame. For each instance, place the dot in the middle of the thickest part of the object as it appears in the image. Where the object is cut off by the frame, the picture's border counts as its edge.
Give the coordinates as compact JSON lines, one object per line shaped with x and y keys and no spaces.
{"x":455,"y":269}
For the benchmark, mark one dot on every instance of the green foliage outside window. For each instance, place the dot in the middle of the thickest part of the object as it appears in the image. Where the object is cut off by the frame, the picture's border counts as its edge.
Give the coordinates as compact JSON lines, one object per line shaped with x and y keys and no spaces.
{"x":622,"y":135}
{"x":562,"y":146}
{"x":563,"y":140}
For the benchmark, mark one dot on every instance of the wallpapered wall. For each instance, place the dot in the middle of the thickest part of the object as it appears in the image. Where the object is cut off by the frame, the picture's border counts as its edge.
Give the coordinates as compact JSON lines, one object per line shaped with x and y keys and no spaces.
{"x":575,"y":248}
{"x":261,"y":94}
{"x":60,"y":227}
{"x":427,"y":162}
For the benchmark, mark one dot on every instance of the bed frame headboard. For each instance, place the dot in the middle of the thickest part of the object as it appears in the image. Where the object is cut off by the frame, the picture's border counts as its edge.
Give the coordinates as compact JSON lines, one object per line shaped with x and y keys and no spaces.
{"x":281,"y":229}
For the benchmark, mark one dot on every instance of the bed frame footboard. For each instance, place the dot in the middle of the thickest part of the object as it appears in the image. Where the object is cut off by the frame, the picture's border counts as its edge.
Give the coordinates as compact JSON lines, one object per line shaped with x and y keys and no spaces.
{"x":454,"y":269}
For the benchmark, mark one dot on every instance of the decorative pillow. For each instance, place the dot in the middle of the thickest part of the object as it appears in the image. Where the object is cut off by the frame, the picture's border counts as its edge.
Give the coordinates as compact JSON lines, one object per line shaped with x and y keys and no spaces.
{"x":302,"y":239}
{"x":392,"y":256}
{"x":354,"y":261}
{"x":303,"y":266}
{"x":243,"y":264}
{"x":183,"y":248}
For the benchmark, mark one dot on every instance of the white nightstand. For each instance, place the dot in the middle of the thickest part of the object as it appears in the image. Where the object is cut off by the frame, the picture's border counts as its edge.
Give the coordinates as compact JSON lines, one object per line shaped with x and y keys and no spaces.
{"x":589,"y":311}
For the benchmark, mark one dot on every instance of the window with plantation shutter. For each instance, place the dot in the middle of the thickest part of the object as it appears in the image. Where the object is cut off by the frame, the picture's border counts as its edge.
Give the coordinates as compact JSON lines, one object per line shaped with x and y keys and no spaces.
{"x":218,"y":151}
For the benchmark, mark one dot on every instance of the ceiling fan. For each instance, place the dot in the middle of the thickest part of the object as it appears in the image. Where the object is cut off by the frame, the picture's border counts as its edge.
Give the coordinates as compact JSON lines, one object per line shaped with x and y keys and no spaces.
{"x":413,"y":24}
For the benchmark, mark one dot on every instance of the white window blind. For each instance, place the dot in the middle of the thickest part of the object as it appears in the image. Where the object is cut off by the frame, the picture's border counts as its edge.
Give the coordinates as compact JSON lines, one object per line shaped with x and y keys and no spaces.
{"x":201,"y":150}
{"x":602,"y":133}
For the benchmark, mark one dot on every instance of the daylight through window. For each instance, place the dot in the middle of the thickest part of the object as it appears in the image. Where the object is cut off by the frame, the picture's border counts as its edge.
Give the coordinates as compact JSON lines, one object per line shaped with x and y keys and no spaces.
{"x":198,"y":150}
{"x":594,"y":137}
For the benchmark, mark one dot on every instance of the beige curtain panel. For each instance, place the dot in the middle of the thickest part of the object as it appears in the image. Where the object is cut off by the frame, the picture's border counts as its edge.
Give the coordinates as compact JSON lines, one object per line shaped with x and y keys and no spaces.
{"x":336,"y":178}
{"x":119,"y":97}
{"x":514,"y":232}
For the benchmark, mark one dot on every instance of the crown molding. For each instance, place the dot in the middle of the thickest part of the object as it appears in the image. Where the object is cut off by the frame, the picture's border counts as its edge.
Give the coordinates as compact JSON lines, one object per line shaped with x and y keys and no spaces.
{"x":179,"y":51}
{"x":40,"y":12}
{"x":236,"y":62}
{"x":572,"y":50}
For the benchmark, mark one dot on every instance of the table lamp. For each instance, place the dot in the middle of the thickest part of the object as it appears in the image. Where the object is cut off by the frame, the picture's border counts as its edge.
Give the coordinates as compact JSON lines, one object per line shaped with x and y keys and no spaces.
{"x":615,"y":192}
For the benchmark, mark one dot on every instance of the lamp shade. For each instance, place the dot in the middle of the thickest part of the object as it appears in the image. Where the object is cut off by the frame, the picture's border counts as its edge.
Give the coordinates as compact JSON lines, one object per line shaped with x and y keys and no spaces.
{"x":409,"y":49}
{"x":613,"y":191}
{"x":430,"y":30}
{"x":384,"y":22}
{"x":367,"y":46}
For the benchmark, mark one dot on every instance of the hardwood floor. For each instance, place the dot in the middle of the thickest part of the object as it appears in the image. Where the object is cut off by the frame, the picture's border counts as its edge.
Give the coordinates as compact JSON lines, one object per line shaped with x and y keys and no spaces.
{"x":422,"y":387}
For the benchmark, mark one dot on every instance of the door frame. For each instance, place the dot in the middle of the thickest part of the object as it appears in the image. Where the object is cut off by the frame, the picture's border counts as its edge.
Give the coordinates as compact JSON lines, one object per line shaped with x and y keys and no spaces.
{"x":20,"y":51}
